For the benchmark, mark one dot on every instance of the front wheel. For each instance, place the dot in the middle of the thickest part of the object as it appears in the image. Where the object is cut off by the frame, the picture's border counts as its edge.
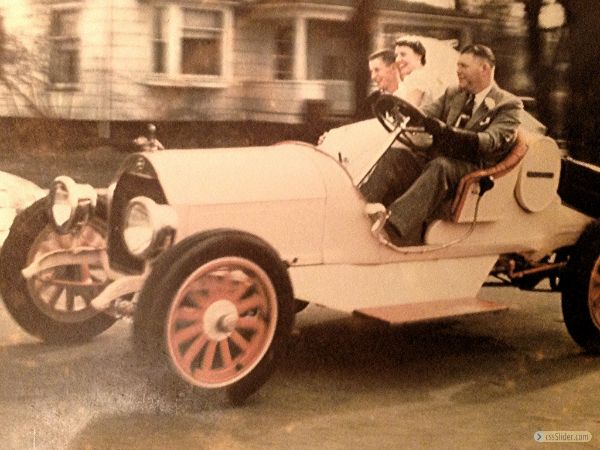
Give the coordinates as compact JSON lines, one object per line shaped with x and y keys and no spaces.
{"x":221,"y":314}
{"x":580,"y":285}
{"x":54,"y":305}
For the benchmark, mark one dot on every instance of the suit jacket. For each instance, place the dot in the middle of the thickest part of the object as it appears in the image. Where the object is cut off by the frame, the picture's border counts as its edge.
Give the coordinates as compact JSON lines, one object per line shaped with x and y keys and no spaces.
{"x":495,"y":120}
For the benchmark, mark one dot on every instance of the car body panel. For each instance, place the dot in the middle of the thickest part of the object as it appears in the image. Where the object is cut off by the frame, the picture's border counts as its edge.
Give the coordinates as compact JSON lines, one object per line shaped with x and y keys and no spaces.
{"x":348,"y":287}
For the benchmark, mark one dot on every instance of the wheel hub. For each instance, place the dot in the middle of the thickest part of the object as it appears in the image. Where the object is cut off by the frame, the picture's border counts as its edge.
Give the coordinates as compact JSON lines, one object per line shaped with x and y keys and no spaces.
{"x":64,"y":293}
{"x":220,"y":319}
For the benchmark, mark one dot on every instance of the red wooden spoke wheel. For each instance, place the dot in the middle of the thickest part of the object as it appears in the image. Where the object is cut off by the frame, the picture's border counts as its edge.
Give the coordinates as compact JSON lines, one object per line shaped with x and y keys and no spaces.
{"x":594,"y":294}
{"x":65,"y":293}
{"x":221,"y":322}
{"x":581,"y":290}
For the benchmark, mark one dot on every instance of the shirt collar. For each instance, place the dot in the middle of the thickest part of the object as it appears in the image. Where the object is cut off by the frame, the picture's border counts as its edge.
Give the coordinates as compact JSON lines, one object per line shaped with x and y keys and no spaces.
{"x":481,"y":95}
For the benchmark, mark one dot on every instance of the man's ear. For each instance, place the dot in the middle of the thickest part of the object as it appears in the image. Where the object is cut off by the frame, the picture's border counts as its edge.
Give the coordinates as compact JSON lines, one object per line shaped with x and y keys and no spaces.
{"x":485,"y":68}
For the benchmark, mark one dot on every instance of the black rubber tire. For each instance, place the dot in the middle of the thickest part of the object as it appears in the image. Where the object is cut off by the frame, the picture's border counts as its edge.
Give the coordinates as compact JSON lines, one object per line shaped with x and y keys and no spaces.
{"x":160,"y":266}
{"x":13,"y":287}
{"x":576,"y":290}
{"x":169,"y":272}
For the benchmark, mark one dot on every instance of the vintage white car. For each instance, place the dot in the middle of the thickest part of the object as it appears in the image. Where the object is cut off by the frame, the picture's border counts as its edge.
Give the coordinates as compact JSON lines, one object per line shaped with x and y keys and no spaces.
{"x":211,"y":250}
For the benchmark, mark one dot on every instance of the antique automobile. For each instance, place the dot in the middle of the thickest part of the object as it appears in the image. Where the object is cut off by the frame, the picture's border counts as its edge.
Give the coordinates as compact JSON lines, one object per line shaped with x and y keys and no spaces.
{"x":211,"y":252}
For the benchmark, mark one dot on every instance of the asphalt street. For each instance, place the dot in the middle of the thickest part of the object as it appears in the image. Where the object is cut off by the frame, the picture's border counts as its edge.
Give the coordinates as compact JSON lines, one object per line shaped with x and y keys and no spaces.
{"x":481,"y":382}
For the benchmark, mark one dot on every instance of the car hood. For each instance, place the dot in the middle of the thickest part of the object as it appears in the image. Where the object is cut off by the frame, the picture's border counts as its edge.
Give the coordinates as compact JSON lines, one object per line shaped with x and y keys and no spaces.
{"x":239,"y":175}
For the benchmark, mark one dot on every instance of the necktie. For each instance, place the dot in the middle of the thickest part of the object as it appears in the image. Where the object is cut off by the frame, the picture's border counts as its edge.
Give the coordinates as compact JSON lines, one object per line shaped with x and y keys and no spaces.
{"x":466,"y":111}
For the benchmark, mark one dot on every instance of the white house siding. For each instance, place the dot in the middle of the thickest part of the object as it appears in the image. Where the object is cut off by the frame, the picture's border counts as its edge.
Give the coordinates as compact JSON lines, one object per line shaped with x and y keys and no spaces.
{"x":20,"y":18}
{"x":138,"y":94}
{"x":261,"y":96}
{"x":116,"y":82}
{"x":31,"y":20}
{"x":116,"y":63}
{"x":91,"y":99}
{"x":254,"y":49}
{"x":115,"y":68}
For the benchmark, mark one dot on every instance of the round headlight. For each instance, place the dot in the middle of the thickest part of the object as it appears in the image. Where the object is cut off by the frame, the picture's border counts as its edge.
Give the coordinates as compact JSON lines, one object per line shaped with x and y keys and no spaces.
{"x":70,"y":203}
{"x":148,"y":227}
{"x":62,"y":207}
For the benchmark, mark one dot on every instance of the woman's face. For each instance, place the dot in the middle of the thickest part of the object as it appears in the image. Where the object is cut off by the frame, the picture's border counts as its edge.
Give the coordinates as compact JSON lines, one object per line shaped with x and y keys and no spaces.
{"x":406,"y":59}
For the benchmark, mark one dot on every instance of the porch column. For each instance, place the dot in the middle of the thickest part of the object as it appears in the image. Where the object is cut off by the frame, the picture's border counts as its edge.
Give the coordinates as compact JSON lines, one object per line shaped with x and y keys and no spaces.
{"x":300,"y":41}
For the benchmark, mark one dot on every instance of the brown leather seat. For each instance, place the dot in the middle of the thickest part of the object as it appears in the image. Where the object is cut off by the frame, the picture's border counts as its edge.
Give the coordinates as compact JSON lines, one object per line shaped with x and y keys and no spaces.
{"x":502,"y":168}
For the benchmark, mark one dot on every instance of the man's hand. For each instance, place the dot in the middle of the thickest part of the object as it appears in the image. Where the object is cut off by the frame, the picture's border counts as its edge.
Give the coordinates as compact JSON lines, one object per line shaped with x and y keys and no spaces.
{"x":434,"y":126}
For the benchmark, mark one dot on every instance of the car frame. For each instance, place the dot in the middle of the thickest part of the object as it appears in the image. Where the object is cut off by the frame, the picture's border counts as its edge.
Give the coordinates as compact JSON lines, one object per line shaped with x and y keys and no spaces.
{"x":213,"y":251}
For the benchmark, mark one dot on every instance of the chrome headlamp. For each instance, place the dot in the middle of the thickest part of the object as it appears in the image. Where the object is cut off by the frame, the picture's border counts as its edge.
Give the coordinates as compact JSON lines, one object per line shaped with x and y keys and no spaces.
{"x":148,"y":227}
{"x":71,"y":203}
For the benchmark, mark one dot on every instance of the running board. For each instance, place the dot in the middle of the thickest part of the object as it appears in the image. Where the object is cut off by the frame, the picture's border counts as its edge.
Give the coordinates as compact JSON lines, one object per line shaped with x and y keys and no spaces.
{"x":430,"y":311}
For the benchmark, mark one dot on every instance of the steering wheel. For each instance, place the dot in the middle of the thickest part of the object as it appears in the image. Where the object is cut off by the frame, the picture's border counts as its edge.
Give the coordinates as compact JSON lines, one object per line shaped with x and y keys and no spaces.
{"x":393,"y":113}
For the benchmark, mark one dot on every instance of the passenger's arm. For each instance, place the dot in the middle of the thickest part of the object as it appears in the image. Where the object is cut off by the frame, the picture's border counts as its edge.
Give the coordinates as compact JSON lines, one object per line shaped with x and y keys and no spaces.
{"x":502,"y":128}
{"x":454,"y":142}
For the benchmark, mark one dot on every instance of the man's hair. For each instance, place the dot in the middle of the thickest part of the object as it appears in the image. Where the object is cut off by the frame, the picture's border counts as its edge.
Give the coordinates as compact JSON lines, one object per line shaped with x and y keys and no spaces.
{"x":415,"y":45}
{"x":481,"y":51}
{"x":387,"y":56}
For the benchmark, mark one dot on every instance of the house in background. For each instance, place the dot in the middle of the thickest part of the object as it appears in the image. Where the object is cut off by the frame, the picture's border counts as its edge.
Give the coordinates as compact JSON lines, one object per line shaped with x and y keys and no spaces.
{"x":199,"y":60}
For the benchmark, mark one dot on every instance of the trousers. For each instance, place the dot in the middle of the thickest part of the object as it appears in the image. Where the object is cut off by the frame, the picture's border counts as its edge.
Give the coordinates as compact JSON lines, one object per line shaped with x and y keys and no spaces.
{"x":413,"y":186}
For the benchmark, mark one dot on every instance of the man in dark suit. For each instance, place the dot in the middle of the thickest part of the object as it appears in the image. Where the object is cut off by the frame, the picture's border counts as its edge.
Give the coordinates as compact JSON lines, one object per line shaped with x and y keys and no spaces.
{"x":473,"y":125}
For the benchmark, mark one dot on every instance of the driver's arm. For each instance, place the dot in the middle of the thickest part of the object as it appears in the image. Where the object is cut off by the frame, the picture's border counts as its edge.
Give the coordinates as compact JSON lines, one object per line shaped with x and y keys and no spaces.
{"x":483,"y":145}
{"x":436,"y":107}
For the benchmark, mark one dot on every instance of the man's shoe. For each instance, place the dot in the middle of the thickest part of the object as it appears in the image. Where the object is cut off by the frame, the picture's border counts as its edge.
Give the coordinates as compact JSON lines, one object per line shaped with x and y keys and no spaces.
{"x":378,"y":214}
{"x":383,"y":230}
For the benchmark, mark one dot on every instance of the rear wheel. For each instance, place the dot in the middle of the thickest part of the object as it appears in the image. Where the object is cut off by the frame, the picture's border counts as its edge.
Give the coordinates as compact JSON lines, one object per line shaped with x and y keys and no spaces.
{"x":580,"y":285}
{"x":220,"y":316}
{"x":54,"y":305}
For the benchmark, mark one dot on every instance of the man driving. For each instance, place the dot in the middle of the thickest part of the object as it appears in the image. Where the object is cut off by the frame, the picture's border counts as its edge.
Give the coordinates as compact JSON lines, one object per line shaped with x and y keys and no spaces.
{"x":384,"y":73}
{"x":473,"y":125}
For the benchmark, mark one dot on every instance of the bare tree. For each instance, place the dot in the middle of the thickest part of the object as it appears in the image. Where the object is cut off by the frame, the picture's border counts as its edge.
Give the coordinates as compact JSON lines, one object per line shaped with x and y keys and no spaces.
{"x":25,"y":76}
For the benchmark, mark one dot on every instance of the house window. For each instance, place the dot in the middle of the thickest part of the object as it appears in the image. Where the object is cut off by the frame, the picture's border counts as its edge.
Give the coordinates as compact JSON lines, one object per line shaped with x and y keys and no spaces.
{"x":284,"y":53}
{"x":64,"y":46}
{"x":159,"y":41}
{"x":201,"y":42}
{"x":328,"y":47}
{"x":190,"y":43}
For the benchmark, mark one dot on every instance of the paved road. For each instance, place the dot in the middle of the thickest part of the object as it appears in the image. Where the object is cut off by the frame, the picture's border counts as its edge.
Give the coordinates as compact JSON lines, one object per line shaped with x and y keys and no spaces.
{"x":486,"y":382}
